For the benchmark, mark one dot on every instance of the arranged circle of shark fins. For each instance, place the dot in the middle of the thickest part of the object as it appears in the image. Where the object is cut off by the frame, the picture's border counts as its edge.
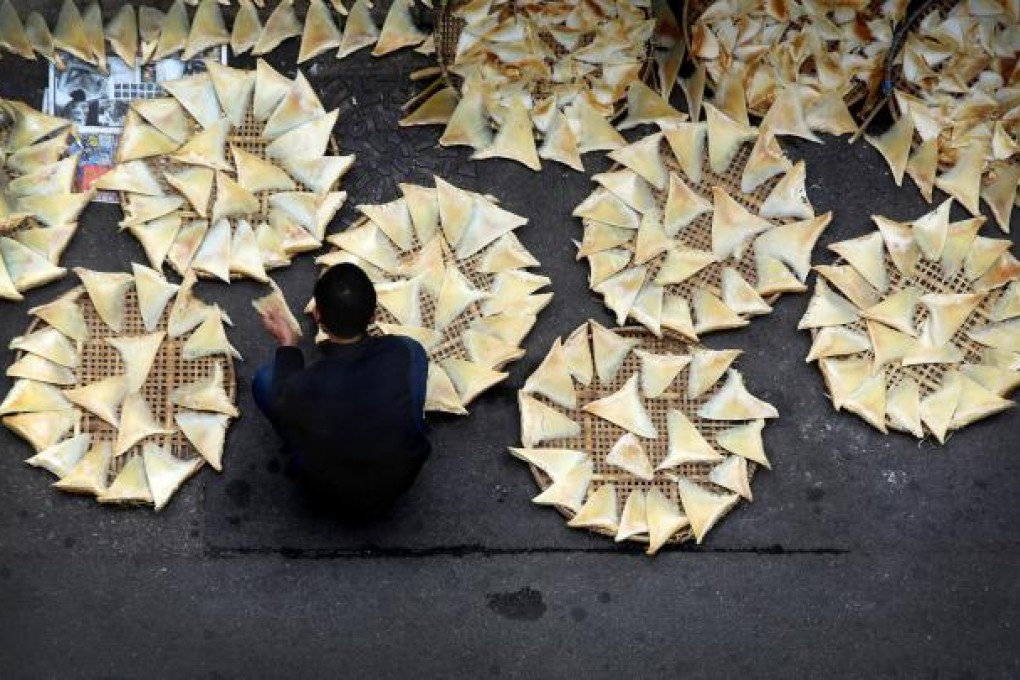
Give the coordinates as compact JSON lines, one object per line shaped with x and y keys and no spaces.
{"x":123,"y":386}
{"x":640,"y":438}
{"x":147,"y":34}
{"x":534,"y":81}
{"x":228,"y":176}
{"x":917,"y":325}
{"x":449,"y":273}
{"x":957,"y":107}
{"x":39,"y":209}
{"x":699,"y":227}
{"x":821,"y":57}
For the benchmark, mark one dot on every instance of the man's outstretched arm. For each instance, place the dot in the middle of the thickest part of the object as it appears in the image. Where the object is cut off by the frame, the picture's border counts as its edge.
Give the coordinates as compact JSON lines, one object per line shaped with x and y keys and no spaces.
{"x":289,"y":359}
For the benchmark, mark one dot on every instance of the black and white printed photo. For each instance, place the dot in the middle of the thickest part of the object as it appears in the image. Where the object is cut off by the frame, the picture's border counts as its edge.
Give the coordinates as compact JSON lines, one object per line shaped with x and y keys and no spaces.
{"x":172,"y":69}
{"x":111,"y":113}
{"x":85,"y":95}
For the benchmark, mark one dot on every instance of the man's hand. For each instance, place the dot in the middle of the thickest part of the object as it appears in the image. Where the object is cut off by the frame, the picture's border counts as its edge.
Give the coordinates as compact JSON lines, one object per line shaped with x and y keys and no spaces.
{"x":276,"y":325}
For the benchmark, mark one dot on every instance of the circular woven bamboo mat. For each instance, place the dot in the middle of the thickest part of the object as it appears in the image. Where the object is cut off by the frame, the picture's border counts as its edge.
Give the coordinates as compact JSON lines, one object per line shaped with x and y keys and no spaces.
{"x":856,"y":98}
{"x":248,"y":137}
{"x":698,"y":234}
{"x":99,"y":360}
{"x":946,"y":159}
{"x":598,"y":436}
{"x":928,"y":278}
{"x":446,"y":34}
{"x":6,"y":176}
{"x":452,"y":341}
{"x":449,"y":26}
{"x":451,"y":345}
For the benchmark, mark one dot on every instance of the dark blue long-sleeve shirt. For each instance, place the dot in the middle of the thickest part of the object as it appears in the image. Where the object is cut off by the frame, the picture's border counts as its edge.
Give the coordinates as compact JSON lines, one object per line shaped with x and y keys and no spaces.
{"x":354,"y":420}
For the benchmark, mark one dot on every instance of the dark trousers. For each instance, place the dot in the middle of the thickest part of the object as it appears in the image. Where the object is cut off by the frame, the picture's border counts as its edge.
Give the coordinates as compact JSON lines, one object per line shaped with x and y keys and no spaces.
{"x":262,"y":391}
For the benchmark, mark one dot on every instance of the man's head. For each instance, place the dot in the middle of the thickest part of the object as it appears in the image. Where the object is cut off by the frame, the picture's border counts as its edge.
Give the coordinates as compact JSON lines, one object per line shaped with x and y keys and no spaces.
{"x":345,"y":301}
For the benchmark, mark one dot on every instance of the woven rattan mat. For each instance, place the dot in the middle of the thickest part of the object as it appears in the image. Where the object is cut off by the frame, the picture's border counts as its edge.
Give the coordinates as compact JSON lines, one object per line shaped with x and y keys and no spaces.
{"x":451,"y":345}
{"x":6,"y":177}
{"x":248,"y":137}
{"x":99,"y":360}
{"x":904,"y":85}
{"x":698,"y":234}
{"x":854,"y":98}
{"x":446,"y":35}
{"x":928,"y":278}
{"x":598,"y":436}
{"x":448,"y":28}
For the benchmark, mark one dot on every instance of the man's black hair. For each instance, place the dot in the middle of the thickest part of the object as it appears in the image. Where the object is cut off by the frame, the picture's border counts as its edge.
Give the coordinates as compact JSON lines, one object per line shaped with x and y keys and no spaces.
{"x":345,"y":299}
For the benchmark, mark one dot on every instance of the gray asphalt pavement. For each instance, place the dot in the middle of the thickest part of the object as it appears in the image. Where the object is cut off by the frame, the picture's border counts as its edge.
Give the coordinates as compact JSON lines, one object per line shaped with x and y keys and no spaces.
{"x":861,"y":555}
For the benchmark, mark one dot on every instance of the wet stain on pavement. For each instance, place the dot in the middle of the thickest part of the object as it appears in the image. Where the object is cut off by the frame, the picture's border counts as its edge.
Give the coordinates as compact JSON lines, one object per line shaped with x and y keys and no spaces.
{"x":520,"y":605}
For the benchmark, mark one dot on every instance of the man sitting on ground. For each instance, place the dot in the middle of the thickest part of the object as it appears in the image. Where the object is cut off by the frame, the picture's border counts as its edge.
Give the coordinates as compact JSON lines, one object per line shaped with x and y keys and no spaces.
{"x":353,"y":421}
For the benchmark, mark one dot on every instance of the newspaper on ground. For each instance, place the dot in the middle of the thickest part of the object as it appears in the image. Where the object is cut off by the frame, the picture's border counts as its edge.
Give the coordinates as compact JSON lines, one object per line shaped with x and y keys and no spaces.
{"x":97,"y":103}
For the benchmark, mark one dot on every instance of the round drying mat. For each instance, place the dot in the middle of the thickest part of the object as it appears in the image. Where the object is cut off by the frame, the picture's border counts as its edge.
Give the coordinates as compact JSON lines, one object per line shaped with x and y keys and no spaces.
{"x":56,"y":241}
{"x":928,"y":278}
{"x":447,"y":35}
{"x":517,"y":311}
{"x":99,"y":360}
{"x":856,"y":97}
{"x":248,"y":137}
{"x":598,"y":436}
{"x":945,"y":159}
{"x":451,"y":345}
{"x":697,"y":235}
{"x":5,"y":178}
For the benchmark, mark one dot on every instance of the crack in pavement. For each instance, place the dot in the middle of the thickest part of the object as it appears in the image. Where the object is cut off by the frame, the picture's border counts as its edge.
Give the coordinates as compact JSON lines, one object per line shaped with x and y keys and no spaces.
{"x":470,"y":550}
